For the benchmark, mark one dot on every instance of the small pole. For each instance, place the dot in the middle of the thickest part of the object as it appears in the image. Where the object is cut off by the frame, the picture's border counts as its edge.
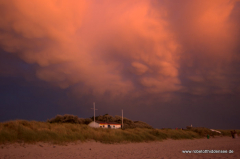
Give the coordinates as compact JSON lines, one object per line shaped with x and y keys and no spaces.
{"x":122,"y":118}
{"x":94,"y":112}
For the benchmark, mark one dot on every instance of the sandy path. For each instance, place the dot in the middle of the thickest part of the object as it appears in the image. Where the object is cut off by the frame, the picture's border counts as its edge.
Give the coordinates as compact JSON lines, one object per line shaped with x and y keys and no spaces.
{"x":165,"y":149}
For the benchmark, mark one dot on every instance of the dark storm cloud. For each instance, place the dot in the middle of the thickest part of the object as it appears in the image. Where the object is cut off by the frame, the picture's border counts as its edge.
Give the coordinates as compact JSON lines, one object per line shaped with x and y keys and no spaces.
{"x":143,"y":56}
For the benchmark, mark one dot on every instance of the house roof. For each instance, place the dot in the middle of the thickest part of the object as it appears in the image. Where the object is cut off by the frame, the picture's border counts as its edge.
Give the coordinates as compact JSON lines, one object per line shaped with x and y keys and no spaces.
{"x":107,"y":123}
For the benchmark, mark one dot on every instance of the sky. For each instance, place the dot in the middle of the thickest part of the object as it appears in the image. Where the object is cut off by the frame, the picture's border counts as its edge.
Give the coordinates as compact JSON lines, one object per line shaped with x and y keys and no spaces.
{"x":168,"y":63}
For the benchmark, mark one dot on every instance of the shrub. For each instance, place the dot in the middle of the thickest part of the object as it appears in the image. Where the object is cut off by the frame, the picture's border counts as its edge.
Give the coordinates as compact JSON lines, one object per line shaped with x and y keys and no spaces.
{"x":69,"y":119}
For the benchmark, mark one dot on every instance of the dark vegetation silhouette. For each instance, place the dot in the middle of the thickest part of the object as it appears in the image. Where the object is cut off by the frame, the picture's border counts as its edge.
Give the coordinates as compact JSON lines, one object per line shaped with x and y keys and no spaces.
{"x":126,"y":122}
{"x":67,"y":118}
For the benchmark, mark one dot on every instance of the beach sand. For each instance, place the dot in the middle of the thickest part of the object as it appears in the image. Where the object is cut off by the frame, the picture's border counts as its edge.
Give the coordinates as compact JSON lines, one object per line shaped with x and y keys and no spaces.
{"x":165,"y":149}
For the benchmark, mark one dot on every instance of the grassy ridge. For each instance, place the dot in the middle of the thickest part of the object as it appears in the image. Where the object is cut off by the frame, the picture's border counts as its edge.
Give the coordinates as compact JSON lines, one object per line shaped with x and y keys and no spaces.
{"x":33,"y":131}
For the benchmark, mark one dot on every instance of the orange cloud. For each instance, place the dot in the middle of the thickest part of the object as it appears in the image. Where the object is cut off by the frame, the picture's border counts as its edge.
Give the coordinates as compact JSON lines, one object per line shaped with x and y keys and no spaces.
{"x":119,"y":46}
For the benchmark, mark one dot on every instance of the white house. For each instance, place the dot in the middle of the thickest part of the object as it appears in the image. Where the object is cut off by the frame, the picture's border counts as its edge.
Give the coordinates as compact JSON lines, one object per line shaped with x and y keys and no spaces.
{"x":102,"y":124}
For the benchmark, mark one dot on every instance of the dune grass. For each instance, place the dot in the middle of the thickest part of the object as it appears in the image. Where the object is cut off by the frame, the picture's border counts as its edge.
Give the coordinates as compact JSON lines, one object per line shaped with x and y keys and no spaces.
{"x":59,"y":133}
{"x":33,"y":131}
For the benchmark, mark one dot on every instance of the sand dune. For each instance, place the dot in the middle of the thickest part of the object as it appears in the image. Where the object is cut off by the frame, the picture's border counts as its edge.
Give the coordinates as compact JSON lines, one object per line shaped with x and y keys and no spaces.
{"x":163,"y":150}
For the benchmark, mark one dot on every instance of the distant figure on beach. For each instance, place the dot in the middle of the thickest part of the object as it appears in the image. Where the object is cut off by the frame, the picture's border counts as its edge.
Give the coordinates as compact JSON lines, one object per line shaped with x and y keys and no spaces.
{"x":232,"y":134}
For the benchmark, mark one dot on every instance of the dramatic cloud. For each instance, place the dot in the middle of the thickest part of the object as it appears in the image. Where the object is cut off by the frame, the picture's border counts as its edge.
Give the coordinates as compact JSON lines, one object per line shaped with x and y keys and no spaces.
{"x":126,"y":48}
{"x":208,"y":32}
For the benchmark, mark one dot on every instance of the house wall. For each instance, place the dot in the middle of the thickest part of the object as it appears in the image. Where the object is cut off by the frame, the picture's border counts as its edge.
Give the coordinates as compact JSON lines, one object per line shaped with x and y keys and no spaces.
{"x":103,"y":125}
{"x":112,"y":126}
{"x":117,"y":126}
